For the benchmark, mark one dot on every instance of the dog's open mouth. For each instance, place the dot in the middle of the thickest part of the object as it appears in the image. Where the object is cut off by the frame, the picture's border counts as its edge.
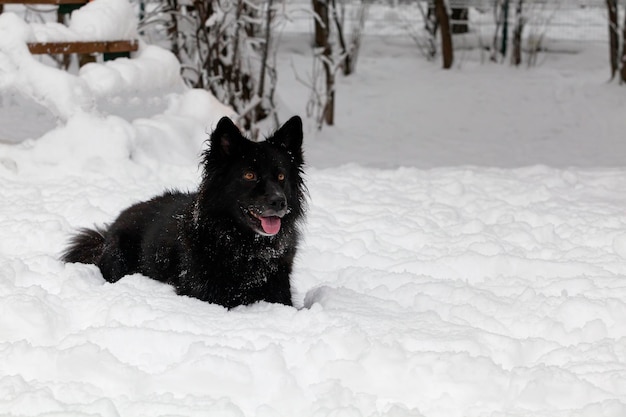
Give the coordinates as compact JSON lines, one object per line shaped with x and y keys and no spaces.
{"x":268,"y":225}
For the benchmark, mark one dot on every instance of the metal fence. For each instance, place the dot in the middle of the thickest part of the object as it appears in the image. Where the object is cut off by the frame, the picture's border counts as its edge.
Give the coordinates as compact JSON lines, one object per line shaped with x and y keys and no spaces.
{"x":552,"y":20}
{"x":568,"y":20}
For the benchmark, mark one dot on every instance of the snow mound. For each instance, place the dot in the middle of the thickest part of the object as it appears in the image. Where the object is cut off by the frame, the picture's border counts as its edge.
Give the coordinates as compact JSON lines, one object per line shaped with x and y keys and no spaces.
{"x":439,"y":293}
{"x":151,"y":69}
{"x":112,"y":111}
{"x":102,"y":20}
{"x":105,"y":20}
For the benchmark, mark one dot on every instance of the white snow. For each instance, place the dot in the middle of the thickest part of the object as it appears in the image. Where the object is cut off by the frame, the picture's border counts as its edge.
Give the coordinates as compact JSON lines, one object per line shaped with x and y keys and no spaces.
{"x":102,"y":20}
{"x":464,"y":254}
{"x":105,"y":20}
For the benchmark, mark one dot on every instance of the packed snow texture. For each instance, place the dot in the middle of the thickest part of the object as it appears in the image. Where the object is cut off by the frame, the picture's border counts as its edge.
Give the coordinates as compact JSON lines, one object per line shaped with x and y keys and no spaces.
{"x":102,"y":20}
{"x":464,"y":264}
{"x":447,"y":292}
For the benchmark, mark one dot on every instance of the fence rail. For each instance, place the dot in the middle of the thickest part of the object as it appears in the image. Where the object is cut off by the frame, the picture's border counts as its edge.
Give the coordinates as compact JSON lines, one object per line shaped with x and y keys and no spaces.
{"x":555,"y":20}
{"x":491,"y":3}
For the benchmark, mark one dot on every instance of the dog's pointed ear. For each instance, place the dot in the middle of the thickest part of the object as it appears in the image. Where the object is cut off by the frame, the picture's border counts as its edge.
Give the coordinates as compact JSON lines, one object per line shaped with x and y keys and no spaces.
{"x":226,"y":138}
{"x":289,"y":136}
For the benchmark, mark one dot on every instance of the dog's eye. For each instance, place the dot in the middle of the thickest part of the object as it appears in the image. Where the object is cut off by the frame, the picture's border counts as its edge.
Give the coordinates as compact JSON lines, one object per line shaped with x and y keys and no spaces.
{"x":281,"y":177}
{"x":249,"y":176}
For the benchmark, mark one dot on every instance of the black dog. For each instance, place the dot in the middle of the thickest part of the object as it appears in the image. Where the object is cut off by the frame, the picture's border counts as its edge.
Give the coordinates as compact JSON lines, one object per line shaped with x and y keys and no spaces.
{"x":233,"y":242}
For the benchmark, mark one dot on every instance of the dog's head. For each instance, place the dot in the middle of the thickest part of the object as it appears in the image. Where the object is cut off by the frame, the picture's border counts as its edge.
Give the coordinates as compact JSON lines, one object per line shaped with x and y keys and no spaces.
{"x":259,"y":184}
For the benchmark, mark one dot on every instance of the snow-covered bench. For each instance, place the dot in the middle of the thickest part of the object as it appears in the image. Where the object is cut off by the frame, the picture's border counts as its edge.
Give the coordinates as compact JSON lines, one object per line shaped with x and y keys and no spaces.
{"x":110,"y":48}
{"x":83,"y":47}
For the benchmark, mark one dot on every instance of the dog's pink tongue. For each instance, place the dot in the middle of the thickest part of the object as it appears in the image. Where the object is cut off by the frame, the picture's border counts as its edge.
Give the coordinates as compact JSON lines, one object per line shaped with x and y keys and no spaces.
{"x":270,"y":225}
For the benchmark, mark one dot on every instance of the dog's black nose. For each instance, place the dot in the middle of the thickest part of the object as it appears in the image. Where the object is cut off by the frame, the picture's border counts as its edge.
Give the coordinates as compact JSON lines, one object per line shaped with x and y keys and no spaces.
{"x":278,"y":202}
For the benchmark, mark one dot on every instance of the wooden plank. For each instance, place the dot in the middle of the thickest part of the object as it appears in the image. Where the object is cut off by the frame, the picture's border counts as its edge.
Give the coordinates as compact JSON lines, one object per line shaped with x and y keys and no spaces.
{"x":44,"y":1}
{"x":82,"y":47}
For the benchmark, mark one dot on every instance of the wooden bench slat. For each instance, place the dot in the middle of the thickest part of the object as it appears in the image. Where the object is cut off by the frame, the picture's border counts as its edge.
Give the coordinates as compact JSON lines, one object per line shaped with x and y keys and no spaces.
{"x":44,"y":1}
{"x":82,"y":47}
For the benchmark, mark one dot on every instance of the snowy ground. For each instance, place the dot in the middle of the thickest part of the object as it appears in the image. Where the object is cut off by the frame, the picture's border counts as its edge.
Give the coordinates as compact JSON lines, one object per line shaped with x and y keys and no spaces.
{"x":464,"y":255}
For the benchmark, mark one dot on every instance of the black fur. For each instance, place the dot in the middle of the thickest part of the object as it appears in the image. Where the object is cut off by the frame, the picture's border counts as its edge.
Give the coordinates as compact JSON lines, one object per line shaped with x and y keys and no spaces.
{"x":212,"y":244}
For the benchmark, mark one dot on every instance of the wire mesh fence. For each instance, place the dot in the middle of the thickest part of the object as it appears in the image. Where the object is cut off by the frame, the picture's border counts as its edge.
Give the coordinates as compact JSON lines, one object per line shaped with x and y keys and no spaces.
{"x":555,"y":20}
{"x":571,"y":20}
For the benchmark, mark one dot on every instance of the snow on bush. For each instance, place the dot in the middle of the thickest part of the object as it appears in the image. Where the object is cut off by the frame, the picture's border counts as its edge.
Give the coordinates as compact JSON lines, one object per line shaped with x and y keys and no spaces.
{"x":105,"y":20}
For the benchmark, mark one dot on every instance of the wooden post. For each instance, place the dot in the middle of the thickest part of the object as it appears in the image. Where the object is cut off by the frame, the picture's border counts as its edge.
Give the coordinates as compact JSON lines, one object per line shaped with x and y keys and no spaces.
{"x":322,"y":40}
{"x":516,"y":55}
{"x":623,"y":71}
{"x":613,"y":36}
{"x":447,"y":52}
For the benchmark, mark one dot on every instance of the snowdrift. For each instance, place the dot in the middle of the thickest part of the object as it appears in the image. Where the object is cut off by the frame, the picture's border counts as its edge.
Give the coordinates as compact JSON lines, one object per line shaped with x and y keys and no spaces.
{"x":432,"y":288}
{"x":452,"y":292}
